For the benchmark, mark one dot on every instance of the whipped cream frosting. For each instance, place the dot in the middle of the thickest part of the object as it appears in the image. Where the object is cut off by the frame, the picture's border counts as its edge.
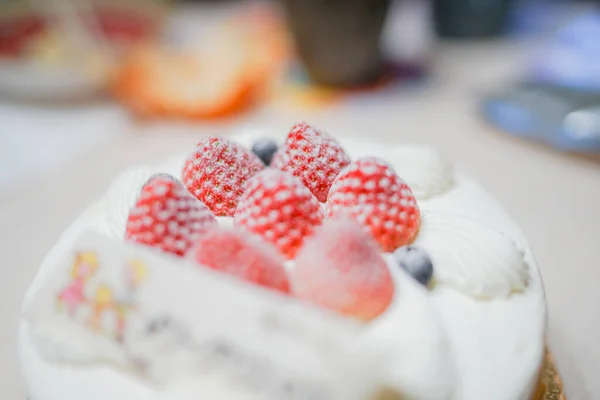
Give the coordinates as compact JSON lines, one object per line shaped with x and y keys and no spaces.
{"x":423,"y":168}
{"x":472,"y":257}
{"x":478,"y":333}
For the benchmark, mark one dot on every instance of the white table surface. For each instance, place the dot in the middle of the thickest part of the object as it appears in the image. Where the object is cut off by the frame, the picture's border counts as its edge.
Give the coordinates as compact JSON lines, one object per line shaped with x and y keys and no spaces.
{"x":555,"y":197}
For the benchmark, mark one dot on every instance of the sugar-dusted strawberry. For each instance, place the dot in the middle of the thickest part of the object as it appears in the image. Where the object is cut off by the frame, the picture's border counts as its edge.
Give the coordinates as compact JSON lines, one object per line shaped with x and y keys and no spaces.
{"x":370,"y":191}
{"x":313,"y":156}
{"x":243,"y":255}
{"x":340,"y":268}
{"x":217,"y":171}
{"x":279,"y":160}
{"x":166,"y":216}
{"x":280,"y":209}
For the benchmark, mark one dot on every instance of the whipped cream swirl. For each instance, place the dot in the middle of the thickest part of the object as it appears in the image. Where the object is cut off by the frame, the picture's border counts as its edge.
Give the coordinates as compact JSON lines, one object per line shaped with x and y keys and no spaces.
{"x":472,"y":257}
{"x":423,"y":168}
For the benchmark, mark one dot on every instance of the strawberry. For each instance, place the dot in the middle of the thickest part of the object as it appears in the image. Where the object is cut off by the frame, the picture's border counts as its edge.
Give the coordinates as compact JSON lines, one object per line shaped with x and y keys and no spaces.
{"x":243,"y":255}
{"x":277,"y":207}
{"x":371,"y":192}
{"x":166,"y":216}
{"x":340,"y":268}
{"x":279,"y":160}
{"x":312,"y":156}
{"x":217,"y":171}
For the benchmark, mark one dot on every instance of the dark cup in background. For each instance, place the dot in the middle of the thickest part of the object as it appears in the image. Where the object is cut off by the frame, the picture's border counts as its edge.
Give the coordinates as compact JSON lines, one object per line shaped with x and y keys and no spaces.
{"x":338,"y":41}
{"x":470,"y":18}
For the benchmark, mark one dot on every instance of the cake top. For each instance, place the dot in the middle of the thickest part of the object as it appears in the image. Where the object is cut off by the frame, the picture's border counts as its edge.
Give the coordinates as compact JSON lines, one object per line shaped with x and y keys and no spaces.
{"x":306,"y":197}
{"x":286,"y":195}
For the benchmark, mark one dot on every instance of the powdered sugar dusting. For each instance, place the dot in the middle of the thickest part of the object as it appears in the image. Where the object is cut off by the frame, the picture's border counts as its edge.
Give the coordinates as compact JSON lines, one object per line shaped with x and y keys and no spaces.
{"x":340,"y":268}
{"x":312,"y":156}
{"x":291,"y":208}
{"x":243,"y":255}
{"x":381,"y":202}
{"x":167,"y":216}
{"x":217,"y":171}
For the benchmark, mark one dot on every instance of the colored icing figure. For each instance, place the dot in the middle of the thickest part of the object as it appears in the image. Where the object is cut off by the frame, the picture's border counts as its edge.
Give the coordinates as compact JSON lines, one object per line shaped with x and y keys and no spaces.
{"x":84,"y":267}
{"x":102,"y":301}
{"x":135,"y":273}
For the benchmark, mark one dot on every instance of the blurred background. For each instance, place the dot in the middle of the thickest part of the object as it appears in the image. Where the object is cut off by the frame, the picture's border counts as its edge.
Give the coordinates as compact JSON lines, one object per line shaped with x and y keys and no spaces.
{"x":67,"y":63}
{"x":508,"y":89}
{"x":64,"y":63}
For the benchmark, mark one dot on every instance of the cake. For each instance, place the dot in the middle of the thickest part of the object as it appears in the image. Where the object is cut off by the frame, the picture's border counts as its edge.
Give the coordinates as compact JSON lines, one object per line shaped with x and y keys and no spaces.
{"x":420,"y":283}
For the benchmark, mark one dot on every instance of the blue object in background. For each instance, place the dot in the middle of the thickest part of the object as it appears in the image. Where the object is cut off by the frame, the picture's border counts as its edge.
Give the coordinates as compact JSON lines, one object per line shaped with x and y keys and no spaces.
{"x":571,"y":57}
{"x":560,"y":103}
{"x":563,"y":118}
{"x":538,"y":18}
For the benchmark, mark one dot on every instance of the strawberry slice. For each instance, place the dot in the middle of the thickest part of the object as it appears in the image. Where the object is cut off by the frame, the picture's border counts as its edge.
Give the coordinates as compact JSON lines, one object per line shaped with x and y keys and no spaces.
{"x":340,"y":268}
{"x":166,"y":216}
{"x":243,"y":255}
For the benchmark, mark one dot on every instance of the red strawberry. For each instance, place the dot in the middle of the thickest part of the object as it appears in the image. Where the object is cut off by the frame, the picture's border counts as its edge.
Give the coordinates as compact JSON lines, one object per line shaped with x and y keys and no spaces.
{"x":371,"y":192}
{"x":279,"y":208}
{"x":340,"y":268}
{"x":167,"y":216}
{"x":312,"y":156}
{"x":279,"y":160}
{"x":217,"y":171}
{"x":240,"y":254}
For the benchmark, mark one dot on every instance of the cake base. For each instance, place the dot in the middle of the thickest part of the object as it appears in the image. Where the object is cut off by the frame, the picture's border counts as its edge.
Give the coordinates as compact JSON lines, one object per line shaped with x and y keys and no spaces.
{"x":550,"y":386}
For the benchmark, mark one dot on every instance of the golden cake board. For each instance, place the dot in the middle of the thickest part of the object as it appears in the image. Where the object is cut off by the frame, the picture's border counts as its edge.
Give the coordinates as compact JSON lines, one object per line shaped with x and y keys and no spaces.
{"x":550,"y":386}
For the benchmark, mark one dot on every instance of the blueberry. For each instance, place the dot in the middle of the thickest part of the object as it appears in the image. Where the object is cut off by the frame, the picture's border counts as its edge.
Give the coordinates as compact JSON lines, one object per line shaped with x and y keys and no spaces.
{"x":416,"y":262}
{"x":264,"y":149}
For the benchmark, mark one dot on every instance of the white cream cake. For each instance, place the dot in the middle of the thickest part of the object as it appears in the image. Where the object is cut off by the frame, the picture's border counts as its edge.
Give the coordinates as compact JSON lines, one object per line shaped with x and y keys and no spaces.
{"x":477,"y":331}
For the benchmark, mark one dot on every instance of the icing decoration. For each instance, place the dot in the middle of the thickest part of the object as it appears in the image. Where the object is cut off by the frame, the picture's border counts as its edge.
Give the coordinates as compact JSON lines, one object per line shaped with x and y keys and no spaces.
{"x":472,"y":257}
{"x":135,"y":314}
{"x":121,"y":196}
